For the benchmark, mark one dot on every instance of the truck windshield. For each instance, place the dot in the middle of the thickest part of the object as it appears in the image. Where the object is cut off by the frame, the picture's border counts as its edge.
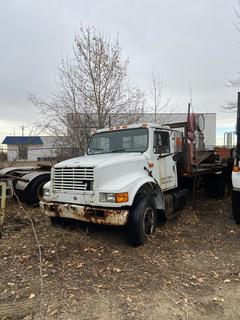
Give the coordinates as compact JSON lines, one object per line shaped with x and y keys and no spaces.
{"x":129,"y":140}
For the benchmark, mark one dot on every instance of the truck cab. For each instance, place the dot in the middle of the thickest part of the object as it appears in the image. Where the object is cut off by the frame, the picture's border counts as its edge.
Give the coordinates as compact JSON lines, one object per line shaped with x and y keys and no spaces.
{"x":122,"y":179}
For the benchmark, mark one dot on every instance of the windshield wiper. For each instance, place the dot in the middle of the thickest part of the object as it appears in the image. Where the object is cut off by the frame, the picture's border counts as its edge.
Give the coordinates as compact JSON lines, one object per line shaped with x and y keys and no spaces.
{"x":118,"y":150}
{"x":99,"y":149}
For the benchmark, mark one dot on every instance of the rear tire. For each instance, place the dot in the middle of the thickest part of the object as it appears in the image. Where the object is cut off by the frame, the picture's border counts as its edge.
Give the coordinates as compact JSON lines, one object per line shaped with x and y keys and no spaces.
{"x":142,"y":219}
{"x":236,"y":206}
{"x":215,"y":185}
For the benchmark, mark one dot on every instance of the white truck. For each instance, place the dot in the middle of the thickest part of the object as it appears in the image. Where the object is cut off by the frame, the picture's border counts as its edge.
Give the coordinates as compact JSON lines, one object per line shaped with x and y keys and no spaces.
{"x":133,"y":175}
{"x":236,"y":171}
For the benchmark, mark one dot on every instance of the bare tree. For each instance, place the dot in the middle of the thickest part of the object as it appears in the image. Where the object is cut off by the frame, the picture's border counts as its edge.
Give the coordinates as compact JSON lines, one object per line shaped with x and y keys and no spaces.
{"x":158,"y":102}
{"x":231,"y":105}
{"x":91,"y":88}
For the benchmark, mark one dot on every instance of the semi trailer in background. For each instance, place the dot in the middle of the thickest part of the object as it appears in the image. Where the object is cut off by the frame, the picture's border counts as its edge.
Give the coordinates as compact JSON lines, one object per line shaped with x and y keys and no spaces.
{"x":26,"y":182}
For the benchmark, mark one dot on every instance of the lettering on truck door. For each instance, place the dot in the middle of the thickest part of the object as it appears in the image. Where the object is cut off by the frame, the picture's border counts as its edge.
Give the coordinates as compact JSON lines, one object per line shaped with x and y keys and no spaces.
{"x":166,"y":166}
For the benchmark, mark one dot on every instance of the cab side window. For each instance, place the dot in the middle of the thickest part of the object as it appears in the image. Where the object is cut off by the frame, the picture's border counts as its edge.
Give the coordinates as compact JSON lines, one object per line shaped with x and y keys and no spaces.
{"x":161,"y":142}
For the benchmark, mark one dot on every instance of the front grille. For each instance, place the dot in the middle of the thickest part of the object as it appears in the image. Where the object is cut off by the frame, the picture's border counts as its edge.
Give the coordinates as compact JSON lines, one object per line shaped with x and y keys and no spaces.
{"x":75,"y":179}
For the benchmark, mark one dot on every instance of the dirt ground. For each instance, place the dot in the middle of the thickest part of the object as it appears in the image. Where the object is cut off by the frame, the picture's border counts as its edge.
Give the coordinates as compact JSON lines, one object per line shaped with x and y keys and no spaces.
{"x":189,"y":269}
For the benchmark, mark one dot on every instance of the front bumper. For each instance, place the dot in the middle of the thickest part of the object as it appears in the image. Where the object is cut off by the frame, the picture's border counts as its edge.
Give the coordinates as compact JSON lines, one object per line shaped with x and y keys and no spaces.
{"x":85,"y":213}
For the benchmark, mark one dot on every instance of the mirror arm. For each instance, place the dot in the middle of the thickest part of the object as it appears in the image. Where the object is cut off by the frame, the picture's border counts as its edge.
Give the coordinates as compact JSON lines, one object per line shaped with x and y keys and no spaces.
{"x":166,"y":155}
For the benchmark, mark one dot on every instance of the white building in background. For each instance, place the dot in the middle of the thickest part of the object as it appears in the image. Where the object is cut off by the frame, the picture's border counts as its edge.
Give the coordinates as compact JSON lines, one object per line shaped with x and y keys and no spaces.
{"x":31,"y":148}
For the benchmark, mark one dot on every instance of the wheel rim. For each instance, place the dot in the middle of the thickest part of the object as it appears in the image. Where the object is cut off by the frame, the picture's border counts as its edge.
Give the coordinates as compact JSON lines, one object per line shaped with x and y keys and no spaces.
{"x":149,"y":221}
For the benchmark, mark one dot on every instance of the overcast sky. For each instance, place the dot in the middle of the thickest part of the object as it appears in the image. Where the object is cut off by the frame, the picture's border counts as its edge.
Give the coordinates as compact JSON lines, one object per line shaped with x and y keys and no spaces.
{"x":182,"y":40}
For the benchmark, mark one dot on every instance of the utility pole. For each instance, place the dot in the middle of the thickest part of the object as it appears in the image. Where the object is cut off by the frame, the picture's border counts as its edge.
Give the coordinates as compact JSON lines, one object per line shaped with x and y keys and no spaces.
{"x":22,"y":128}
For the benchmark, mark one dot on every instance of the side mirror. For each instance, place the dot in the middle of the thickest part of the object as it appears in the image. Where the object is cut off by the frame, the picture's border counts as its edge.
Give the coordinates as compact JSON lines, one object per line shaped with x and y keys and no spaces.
{"x":176,"y":157}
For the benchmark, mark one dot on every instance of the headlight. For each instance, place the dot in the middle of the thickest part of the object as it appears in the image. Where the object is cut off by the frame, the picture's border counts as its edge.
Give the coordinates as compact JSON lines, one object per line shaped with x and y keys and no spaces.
{"x":107,"y":197}
{"x":46,"y":192}
{"x":114,"y":197}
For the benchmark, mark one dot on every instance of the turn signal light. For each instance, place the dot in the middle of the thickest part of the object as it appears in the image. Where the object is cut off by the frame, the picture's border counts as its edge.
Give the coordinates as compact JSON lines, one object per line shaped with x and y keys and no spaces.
{"x":121,"y":197}
{"x":236,"y":169}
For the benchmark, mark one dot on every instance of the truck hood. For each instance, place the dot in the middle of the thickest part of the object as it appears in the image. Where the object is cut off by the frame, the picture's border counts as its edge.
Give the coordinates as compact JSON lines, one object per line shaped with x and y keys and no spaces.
{"x":101,"y":160}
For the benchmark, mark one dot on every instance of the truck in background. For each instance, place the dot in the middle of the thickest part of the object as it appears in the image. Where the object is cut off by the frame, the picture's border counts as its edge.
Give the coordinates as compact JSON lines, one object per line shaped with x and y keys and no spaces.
{"x":135,"y":175}
{"x":27,"y":182}
{"x":236,"y":170}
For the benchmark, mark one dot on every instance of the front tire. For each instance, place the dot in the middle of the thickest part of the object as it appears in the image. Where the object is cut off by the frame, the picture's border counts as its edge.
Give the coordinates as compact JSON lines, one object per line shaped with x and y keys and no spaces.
{"x":236,"y":205}
{"x":142,"y":219}
{"x":56,"y":221}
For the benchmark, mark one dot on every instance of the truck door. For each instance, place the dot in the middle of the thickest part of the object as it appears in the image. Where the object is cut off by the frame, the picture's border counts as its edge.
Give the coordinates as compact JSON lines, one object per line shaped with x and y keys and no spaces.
{"x":163,"y":150}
